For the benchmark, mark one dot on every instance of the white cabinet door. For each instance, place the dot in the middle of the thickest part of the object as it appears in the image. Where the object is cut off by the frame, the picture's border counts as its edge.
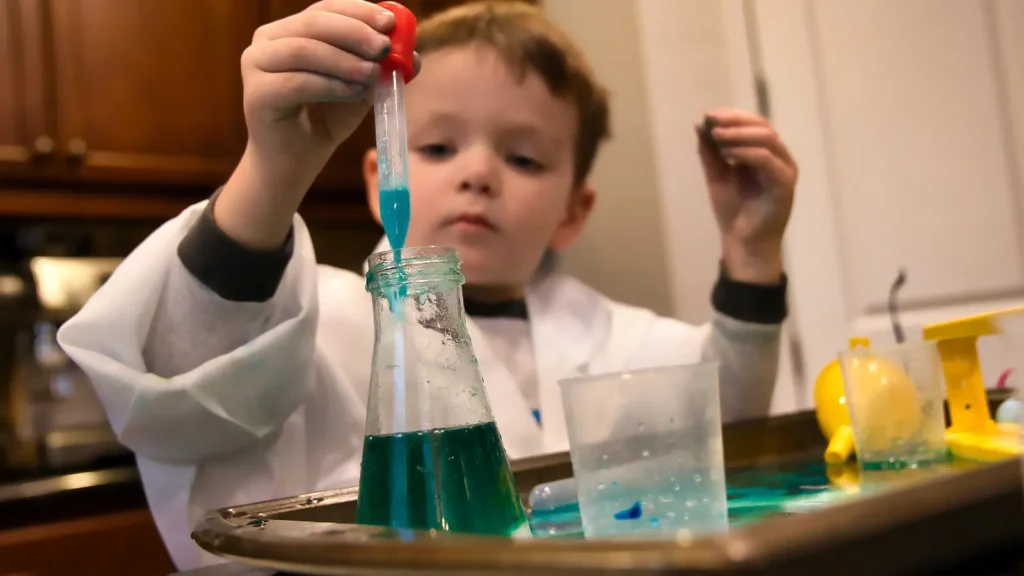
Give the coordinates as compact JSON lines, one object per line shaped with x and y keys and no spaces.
{"x":907,"y":119}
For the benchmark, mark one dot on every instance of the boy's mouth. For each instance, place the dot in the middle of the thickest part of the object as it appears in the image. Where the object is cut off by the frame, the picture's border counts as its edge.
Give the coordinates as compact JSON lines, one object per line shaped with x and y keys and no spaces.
{"x":472,"y":222}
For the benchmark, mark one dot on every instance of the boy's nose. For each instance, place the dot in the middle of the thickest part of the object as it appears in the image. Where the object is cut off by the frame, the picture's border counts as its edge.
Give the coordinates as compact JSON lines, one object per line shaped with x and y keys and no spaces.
{"x":478,"y":173}
{"x":477,"y":186}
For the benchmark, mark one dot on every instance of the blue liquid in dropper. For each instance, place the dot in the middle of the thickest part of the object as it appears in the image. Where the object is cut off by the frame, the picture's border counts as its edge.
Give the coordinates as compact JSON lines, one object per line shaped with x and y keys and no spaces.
{"x":394,"y":215}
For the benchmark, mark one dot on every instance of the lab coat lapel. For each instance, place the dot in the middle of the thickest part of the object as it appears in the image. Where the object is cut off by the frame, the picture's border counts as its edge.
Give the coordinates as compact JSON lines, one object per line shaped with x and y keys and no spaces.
{"x":519,"y":432}
{"x":569,"y":322}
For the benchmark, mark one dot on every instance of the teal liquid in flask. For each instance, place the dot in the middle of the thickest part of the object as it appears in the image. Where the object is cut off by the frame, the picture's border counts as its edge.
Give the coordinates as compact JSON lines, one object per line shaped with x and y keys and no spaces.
{"x":432,"y":455}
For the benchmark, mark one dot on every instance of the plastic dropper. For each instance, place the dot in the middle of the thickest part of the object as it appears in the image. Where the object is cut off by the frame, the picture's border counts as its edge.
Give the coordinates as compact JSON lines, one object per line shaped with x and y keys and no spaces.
{"x":389,"y":119}
{"x":393,"y":189}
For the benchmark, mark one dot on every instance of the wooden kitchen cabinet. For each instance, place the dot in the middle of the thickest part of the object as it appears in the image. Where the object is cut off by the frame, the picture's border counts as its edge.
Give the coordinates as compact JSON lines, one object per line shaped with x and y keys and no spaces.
{"x":118,"y":543}
{"x":136,"y":107}
{"x":150,"y":91}
{"x":112,"y":92}
{"x":25,"y":128}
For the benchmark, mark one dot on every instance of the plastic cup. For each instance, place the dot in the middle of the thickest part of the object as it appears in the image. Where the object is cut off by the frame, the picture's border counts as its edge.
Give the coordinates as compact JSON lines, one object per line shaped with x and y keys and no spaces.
{"x":895,"y":397}
{"x":646,"y":450}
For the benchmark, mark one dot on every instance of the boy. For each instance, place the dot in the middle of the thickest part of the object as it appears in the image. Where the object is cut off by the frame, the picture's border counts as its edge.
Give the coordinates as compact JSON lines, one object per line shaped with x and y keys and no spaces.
{"x":237,"y":369}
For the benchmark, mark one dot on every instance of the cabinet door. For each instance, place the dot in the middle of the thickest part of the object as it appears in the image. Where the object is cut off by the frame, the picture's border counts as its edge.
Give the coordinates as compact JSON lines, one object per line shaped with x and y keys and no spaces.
{"x":150,"y":90}
{"x":24,"y":133}
{"x":118,"y":543}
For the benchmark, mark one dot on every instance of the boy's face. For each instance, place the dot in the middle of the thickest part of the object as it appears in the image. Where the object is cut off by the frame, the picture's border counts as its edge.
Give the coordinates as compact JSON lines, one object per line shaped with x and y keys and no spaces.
{"x":491,"y":166}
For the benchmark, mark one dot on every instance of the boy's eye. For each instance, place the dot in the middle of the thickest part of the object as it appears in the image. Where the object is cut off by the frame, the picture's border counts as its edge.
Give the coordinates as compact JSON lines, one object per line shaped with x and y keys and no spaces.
{"x":524,"y":163}
{"x":436,"y":150}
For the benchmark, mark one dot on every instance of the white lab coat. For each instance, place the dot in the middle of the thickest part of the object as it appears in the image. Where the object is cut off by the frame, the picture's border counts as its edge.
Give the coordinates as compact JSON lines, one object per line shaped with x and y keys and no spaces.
{"x":229,"y":403}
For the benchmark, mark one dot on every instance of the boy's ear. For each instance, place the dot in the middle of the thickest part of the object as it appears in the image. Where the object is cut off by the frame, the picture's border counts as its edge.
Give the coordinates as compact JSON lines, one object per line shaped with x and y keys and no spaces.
{"x":581,"y":204}
{"x":372,"y":187}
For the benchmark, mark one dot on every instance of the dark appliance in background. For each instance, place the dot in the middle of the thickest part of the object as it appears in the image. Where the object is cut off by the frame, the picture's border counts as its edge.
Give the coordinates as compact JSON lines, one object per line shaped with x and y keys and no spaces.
{"x":51,"y":421}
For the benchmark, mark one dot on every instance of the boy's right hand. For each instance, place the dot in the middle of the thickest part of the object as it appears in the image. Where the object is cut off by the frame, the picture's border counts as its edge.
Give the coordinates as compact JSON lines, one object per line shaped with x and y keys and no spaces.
{"x":307,"y":77}
{"x":307,"y":83}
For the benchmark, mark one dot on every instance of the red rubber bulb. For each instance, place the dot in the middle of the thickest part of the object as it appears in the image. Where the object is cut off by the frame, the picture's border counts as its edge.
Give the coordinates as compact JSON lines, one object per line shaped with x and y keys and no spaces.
{"x":403,"y":41}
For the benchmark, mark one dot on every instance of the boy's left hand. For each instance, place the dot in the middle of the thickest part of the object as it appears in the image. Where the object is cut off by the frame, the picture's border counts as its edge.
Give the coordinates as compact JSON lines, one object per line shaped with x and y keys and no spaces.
{"x":751,"y":177}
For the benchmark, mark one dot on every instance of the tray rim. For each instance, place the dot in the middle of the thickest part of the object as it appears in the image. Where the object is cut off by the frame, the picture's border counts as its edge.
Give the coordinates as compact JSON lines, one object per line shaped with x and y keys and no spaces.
{"x":226,"y":533}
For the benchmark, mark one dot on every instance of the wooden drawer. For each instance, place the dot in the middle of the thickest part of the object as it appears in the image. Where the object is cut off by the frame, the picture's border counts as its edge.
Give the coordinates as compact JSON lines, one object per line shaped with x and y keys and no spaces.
{"x":122,"y":543}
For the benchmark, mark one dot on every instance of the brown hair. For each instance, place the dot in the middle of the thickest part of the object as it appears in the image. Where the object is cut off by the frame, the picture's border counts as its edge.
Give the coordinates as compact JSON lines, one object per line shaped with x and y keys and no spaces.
{"x":529,"y":42}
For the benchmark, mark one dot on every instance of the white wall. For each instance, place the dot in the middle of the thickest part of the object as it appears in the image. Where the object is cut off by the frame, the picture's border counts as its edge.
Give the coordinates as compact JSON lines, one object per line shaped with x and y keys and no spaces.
{"x":622,"y":252}
{"x":654,"y":241}
{"x":687,"y":61}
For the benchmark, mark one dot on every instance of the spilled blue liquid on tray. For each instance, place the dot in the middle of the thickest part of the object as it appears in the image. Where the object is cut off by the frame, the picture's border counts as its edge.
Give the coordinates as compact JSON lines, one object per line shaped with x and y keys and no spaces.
{"x":632,"y":513}
{"x":759,"y":493}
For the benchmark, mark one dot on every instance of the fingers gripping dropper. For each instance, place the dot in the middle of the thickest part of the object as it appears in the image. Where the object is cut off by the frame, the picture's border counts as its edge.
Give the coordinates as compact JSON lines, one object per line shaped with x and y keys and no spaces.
{"x":389,"y":120}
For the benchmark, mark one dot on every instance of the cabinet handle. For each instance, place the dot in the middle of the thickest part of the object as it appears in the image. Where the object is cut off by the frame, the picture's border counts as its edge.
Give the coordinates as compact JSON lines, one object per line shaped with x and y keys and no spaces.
{"x":77,"y":148}
{"x":43,"y":146}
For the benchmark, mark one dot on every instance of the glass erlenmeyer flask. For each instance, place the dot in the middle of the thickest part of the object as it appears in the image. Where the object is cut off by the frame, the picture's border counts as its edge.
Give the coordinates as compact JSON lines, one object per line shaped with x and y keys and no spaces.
{"x":432,"y":455}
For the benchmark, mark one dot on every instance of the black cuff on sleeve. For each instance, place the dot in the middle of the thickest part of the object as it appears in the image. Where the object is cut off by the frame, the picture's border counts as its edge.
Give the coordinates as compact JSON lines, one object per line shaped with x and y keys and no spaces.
{"x":231,"y":270}
{"x":758,"y":303}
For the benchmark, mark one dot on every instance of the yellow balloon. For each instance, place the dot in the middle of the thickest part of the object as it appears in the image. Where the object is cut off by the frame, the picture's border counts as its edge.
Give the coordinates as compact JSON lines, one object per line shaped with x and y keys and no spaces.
{"x":832,"y":414}
{"x":885,"y":402}
{"x":830,"y":400}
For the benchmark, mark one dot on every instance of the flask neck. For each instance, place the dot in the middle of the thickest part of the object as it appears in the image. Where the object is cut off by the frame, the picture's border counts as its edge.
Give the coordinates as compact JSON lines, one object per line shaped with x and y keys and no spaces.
{"x":413,"y":271}
{"x":424,"y":374}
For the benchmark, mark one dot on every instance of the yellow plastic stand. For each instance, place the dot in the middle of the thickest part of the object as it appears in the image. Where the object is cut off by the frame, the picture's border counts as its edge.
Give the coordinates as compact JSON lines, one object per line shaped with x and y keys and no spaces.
{"x":972,"y":434}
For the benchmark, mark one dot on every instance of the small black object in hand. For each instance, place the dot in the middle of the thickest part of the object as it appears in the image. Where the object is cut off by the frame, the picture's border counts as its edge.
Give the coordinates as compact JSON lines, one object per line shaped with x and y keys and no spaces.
{"x":705,"y":135}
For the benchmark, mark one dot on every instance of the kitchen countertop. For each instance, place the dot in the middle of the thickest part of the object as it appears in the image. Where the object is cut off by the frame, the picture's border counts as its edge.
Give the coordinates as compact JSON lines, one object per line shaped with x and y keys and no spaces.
{"x":111,"y":485}
{"x":230,"y":569}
